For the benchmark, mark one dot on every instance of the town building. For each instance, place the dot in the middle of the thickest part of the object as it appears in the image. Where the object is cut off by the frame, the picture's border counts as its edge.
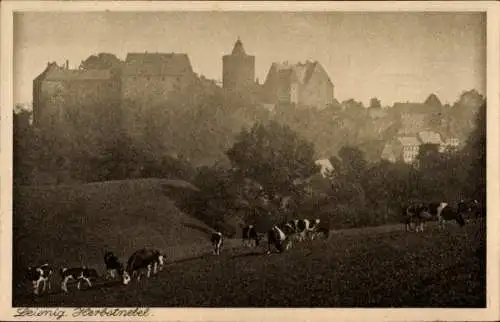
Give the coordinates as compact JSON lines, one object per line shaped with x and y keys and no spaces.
{"x":402,"y":148}
{"x":58,"y":87}
{"x":148,"y":79}
{"x":302,"y":84}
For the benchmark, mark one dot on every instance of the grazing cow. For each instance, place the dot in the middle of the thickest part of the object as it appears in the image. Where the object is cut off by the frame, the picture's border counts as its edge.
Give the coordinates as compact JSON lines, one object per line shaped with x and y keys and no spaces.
{"x":291,"y":229}
{"x":79,"y":274}
{"x":420,"y":213}
{"x":322,"y":233}
{"x":217,"y":241}
{"x":143,"y":259}
{"x":250,"y":234}
{"x":277,"y":237}
{"x":471,"y":208}
{"x":446,"y":213}
{"x":306,"y":228}
{"x":113,"y":265}
{"x":38,"y":275}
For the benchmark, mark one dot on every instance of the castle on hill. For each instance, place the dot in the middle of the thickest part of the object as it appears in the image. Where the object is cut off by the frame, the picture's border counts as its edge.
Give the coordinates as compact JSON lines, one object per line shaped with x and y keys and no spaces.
{"x":147,"y":79}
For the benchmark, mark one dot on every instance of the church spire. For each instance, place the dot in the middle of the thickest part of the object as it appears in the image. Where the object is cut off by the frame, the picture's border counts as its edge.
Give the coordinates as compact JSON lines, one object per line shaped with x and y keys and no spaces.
{"x":238,"y":48}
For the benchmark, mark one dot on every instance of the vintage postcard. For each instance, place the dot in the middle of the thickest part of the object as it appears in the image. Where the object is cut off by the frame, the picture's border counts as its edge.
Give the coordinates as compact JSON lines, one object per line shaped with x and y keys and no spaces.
{"x":250,"y":161}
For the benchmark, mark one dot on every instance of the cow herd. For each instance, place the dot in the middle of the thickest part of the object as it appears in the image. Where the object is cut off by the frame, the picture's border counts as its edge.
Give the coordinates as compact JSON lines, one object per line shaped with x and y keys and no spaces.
{"x":144,"y":261}
{"x":281,"y":236}
{"x":442,"y":212}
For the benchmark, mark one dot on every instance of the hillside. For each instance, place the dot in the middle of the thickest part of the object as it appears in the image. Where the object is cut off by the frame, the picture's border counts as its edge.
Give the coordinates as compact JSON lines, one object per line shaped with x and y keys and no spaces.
{"x":75,"y":225}
{"x":372,"y":267}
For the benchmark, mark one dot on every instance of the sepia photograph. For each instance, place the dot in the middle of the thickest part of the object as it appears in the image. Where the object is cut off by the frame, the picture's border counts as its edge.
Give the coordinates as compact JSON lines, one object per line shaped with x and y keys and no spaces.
{"x":248,"y":159}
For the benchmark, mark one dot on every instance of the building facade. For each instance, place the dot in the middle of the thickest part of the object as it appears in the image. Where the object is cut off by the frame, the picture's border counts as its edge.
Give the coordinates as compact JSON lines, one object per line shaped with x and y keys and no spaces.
{"x":146,"y":79}
{"x":59,"y":87}
{"x":303,"y":84}
{"x":402,"y":148}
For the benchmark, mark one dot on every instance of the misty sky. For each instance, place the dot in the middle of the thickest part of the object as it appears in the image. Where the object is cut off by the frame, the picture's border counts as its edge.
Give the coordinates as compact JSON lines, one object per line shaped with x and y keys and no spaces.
{"x":392,"y":56}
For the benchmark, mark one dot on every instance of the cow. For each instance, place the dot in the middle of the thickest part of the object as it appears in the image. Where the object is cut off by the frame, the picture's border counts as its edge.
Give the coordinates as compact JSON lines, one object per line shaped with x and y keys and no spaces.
{"x":79,"y":274}
{"x":290,"y":228}
{"x":277,"y":237}
{"x":38,"y":275}
{"x":446,"y":213}
{"x":113,"y":265}
{"x":412,"y":214}
{"x":306,"y":228}
{"x":217,"y":240}
{"x":471,"y":208}
{"x":422,"y":212}
{"x":143,"y":259}
{"x":250,"y":234}
{"x":322,"y":233}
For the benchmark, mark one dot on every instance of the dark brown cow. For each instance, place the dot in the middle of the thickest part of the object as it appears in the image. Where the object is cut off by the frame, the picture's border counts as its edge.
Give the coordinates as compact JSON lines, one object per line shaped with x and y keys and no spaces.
{"x":143,"y":259}
{"x":113,"y":265}
{"x":250,"y":234}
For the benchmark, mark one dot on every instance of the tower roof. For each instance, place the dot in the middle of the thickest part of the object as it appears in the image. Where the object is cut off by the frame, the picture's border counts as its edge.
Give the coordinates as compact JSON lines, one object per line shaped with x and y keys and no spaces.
{"x":238,"y":48}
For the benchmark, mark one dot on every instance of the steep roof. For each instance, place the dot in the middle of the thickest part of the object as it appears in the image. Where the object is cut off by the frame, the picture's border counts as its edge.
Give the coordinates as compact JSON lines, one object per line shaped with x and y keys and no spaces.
{"x":238,"y":48}
{"x":78,"y":74}
{"x":433,"y":100}
{"x":301,"y":72}
{"x":171,"y":64}
{"x":430,"y":137}
{"x":53,"y":72}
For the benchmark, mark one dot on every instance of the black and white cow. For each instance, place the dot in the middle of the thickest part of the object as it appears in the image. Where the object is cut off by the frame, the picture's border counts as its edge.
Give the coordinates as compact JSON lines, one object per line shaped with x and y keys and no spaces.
{"x":250,"y":234}
{"x":217,"y":240}
{"x":306,"y":228}
{"x":113,"y":265}
{"x":422,"y":212}
{"x":448,"y":213}
{"x":291,"y":229}
{"x":277,"y":237}
{"x":143,"y":260}
{"x":38,"y":275}
{"x":78,"y":274}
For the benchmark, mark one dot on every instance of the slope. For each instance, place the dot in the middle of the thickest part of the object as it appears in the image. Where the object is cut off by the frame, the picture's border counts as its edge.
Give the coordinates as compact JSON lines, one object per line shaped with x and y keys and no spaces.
{"x":75,"y":225}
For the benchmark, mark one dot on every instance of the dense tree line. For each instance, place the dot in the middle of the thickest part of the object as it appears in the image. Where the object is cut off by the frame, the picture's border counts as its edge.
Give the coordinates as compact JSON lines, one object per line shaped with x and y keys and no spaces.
{"x":265,"y":160}
{"x":356,"y":193}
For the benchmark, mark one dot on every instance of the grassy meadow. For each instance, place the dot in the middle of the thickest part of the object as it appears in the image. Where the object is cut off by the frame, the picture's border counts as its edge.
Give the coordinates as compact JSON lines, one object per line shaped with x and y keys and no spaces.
{"x":367,"y":267}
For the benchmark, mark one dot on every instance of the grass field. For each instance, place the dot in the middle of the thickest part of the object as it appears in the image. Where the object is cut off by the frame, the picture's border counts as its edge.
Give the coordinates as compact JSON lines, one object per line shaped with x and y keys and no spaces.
{"x":373,"y":267}
{"x":75,"y":225}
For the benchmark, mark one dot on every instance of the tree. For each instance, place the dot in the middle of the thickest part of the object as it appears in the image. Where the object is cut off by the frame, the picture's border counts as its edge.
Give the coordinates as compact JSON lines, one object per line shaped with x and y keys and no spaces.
{"x":103,"y":61}
{"x":351,"y":160}
{"x":274,"y":156}
{"x":475,"y":156}
{"x":428,"y":156}
{"x":23,"y":159}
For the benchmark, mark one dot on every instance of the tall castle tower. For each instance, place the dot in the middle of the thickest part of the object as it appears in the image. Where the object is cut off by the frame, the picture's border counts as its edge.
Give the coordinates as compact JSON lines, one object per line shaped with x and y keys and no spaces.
{"x":238,"y":69}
